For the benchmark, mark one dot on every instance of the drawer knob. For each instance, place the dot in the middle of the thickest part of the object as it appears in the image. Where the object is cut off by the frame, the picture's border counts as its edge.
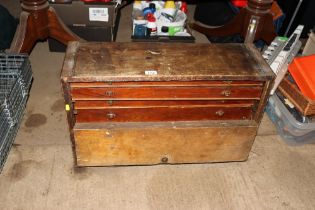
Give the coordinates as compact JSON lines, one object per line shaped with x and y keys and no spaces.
{"x":109,"y":93}
{"x":220,"y":113}
{"x":226,"y":93}
{"x":111,"y":115}
{"x":110,"y":102}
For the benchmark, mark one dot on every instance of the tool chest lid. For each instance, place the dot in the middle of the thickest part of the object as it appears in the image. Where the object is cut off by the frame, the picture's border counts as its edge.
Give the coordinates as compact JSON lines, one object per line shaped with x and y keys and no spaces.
{"x":90,"y":62}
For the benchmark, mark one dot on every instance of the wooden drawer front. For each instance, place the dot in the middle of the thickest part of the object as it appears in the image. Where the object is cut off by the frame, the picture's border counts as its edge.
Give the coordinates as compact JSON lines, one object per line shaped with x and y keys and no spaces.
{"x":127,"y":103}
{"x":131,"y":145}
{"x":166,"y":93}
{"x":155,"y":114}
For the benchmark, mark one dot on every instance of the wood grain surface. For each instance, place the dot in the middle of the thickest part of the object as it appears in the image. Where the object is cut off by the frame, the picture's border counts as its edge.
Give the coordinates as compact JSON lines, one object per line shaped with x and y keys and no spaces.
{"x":221,"y":90}
{"x":166,"y":93}
{"x":176,"y":61}
{"x":160,"y":114}
{"x":103,"y":104}
{"x":143,"y":145}
{"x":291,"y":91}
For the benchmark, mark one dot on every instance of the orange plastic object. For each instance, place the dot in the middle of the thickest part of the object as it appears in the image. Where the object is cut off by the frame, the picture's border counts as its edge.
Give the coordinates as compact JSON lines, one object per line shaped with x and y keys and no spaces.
{"x":302,"y":70}
{"x":276,"y":11}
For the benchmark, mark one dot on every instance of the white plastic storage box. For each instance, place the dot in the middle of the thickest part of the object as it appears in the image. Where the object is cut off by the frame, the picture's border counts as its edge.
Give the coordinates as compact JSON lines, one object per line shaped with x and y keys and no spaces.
{"x":289,"y":128}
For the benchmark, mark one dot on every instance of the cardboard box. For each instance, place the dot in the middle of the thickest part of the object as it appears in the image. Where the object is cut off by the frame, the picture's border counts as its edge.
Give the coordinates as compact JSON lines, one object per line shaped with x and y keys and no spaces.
{"x":92,"y":22}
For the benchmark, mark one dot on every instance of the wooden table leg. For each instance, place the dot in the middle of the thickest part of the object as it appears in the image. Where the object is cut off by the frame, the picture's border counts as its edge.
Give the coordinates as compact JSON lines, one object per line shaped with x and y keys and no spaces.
{"x":38,"y":21}
{"x":256,"y":17}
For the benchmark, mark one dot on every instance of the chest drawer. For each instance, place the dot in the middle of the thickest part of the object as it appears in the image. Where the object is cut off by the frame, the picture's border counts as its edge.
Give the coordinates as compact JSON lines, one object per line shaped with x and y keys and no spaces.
{"x":103,"y":104}
{"x":156,"y":114}
{"x":166,"y":93}
{"x":146,"y":143}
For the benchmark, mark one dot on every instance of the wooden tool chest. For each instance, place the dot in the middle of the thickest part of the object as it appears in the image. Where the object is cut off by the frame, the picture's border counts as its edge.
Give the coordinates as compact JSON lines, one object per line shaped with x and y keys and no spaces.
{"x":151,"y":103}
{"x":301,"y":102}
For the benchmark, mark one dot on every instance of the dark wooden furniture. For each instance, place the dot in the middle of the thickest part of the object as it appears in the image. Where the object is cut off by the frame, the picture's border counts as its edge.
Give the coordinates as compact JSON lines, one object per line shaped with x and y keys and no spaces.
{"x":151,"y":103}
{"x":38,"y":21}
{"x":253,"y":22}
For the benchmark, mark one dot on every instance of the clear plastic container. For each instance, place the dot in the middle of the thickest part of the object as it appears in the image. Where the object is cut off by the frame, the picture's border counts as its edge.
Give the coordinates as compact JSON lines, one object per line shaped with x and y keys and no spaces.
{"x":309,"y":48}
{"x":290,"y":129}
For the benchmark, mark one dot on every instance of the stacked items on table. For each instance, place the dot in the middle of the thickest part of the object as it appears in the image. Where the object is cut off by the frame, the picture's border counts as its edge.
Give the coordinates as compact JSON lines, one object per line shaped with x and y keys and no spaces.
{"x":292,"y":107}
{"x":159,"y":18}
{"x":15,"y":82}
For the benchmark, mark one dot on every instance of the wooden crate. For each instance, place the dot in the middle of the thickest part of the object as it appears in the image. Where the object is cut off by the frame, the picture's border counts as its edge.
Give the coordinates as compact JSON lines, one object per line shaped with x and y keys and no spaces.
{"x":151,"y":103}
{"x":302,"y":103}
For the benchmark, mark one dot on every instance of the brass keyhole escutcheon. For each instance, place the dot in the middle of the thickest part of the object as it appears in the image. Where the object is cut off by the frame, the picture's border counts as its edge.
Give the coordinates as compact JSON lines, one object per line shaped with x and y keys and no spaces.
{"x":110,"y":102}
{"x":111,"y":115}
{"x":220,"y":113}
{"x":164,"y":160}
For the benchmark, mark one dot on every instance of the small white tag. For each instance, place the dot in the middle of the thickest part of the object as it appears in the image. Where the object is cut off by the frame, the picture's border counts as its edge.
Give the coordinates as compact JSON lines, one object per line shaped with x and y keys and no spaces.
{"x":98,"y":14}
{"x":289,"y":103}
{"x":150,"y":72}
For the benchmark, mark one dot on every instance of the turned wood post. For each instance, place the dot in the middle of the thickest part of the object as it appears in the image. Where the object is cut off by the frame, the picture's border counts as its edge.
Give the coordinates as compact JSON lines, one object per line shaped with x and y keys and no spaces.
{"x":38,"y":11}
{"x":38,"y":21}
{"x":253,"y":22}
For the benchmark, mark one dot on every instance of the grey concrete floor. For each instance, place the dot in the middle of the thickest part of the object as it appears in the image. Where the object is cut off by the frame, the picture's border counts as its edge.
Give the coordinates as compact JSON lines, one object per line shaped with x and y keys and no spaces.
{"x":40,"y":172}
